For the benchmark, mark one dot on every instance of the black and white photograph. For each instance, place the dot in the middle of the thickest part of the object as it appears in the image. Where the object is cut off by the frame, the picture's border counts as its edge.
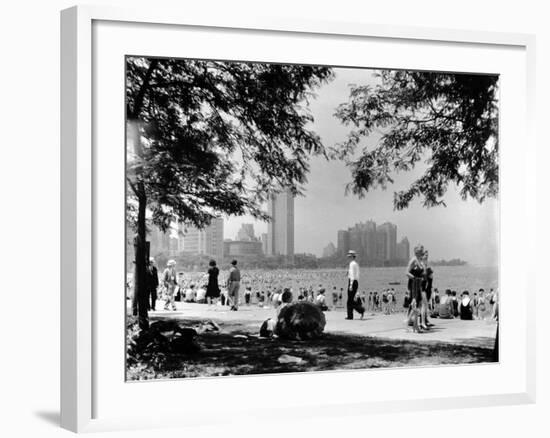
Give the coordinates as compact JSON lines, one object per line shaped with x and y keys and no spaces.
{"x":287,"y":218}
{"x":275,"y":220}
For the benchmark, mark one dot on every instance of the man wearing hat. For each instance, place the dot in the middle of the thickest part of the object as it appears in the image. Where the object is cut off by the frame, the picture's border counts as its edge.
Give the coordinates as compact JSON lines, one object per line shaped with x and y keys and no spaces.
{"x":353,"y":284}
{"x":152,"y":283}
{"x":170,"y":283}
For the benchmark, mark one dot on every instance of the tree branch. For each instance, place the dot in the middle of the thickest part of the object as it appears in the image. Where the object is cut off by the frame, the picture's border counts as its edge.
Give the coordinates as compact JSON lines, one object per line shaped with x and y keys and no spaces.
{"x":138,"y":103}
{"x":133,"y":187}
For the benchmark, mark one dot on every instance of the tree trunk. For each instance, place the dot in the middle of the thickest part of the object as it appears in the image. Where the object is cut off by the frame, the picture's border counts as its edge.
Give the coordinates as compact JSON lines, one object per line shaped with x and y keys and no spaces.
{"x":141,"y":298}
{"x":140,"y":249}
{"x":140,"y":280}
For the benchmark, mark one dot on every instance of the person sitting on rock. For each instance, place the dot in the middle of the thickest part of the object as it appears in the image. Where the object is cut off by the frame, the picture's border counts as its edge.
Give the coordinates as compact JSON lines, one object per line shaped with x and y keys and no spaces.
{"x":285,"y":298}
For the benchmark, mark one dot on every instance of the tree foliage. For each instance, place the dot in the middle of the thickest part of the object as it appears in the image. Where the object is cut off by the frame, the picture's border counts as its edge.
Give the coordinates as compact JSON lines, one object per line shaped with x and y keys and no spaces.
{"x":448,"y":120}
{"x":217,"y":137}
{"x":207,"y":138}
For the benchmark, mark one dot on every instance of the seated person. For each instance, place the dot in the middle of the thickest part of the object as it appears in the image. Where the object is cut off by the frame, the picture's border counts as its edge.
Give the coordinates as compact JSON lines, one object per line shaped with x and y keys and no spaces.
{"x":190,"y":294}
{"x":455,"y":304}
{"x":320,"y":300}
{"x":201,"y":295}
{"x":285,"y":298}
{"x":445,"y":306}
{"x":436,"y":297}
{"x":466,"y":310}
{"x":276,"y":298}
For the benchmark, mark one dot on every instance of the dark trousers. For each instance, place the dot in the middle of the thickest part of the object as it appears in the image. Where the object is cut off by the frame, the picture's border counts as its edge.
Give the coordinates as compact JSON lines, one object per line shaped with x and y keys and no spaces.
{"x":352,"y":303}
{"x":153,"y":294}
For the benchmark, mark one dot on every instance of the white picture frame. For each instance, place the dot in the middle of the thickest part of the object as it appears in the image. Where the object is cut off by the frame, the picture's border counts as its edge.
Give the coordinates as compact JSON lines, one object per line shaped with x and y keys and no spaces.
{"x":82,"y":368}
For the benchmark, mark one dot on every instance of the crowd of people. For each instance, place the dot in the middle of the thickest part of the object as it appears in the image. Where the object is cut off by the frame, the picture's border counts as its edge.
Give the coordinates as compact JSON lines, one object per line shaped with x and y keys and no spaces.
{"x":266,"y":289}
{"x":422,"y":303}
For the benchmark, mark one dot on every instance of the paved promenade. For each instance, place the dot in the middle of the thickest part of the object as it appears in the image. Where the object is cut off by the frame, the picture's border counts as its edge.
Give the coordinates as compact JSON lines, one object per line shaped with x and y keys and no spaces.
{"x":477,"y":333}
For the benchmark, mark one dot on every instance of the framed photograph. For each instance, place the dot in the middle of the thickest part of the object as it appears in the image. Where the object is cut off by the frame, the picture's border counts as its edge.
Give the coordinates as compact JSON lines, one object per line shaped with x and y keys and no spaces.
{"x":258,"y":208}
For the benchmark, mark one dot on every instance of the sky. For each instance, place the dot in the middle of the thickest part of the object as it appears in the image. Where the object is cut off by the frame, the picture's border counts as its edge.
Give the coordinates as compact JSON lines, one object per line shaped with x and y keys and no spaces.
{"x":463,"y":229}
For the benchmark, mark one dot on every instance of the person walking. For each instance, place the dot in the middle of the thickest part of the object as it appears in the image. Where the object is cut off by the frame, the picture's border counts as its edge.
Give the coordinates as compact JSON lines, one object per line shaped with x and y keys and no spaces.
{"x":353,"y":285}
{"x":152,"y":283}
{"x":213,"y":288}
{"x":233,"y":285}
{"x":170,"y":283}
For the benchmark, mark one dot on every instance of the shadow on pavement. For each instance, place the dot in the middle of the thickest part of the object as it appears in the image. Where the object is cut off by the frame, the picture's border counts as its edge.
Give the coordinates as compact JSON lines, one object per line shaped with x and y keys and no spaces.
{"x":222,"y":353}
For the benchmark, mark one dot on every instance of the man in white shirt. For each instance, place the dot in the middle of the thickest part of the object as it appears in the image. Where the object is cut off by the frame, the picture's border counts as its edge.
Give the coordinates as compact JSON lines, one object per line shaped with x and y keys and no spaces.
{"x":353,"y":284}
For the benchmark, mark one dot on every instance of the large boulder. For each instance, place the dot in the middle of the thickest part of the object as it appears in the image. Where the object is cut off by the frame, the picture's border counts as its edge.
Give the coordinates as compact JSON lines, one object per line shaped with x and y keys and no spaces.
{"x":300,"y":320}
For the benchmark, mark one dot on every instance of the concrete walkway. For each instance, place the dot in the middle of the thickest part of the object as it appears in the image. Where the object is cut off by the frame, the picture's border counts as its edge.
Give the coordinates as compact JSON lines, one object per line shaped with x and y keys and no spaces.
{"x":478,"y":333}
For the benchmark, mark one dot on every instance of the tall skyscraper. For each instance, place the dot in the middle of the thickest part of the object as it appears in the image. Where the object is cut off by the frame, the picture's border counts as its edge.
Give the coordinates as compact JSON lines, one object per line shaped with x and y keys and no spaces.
{"x":329,"y":250}
{"x":246,"y":233}
{"x":342,"y":242}
{"x":387,"y":241}
{"x":161,"y":241}
{"x":355,"y":240}
{"x":208,"y":241}
{"x":380,"y":244}
{"x":403,"y":250}
{"x":369,"y":241}
{"x":361,"y":238}
{"x":374,"y":244}
{"x":280,"y":230}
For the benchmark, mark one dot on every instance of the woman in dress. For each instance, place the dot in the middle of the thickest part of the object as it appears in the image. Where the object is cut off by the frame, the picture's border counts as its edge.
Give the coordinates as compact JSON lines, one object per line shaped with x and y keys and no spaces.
{"x":416,"y":274}
{"x":212,"y":289}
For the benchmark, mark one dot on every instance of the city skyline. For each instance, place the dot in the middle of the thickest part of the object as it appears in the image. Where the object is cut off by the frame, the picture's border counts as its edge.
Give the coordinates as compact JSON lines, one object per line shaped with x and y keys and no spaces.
{"x":326,"y":207}
{"x":474,"y":227}
{"x":374,"y":244}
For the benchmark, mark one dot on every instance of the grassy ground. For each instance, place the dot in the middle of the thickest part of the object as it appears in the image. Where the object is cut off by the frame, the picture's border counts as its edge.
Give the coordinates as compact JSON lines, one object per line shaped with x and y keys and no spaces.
{"x":235,"y":350}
